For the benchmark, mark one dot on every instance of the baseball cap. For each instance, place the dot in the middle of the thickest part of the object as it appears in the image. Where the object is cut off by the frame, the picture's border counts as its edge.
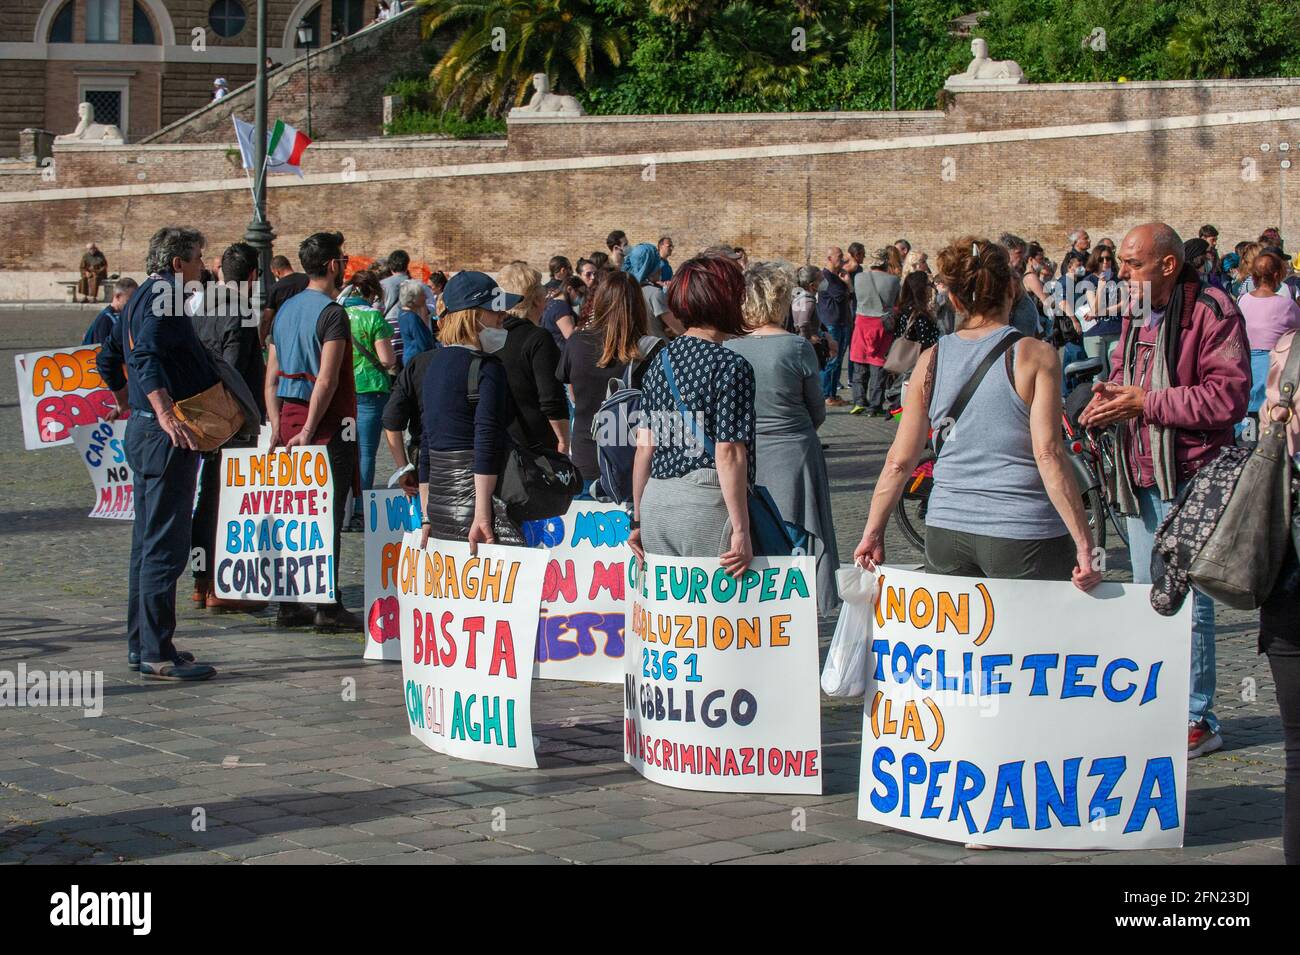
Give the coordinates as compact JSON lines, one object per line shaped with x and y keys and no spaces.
{"x":477,"y":290}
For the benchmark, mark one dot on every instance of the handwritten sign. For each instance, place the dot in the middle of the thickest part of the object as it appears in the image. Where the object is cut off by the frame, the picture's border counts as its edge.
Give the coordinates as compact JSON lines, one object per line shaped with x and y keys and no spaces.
{"x":580,"y":633}
{"x":389,"y":514}
{"x":1025,"y":713}
{"x":103,"y":448}
{"x":721,"y":688}
{"x":469,"y":625}
{"x":275,"y":526}
{"x":58,"y":390}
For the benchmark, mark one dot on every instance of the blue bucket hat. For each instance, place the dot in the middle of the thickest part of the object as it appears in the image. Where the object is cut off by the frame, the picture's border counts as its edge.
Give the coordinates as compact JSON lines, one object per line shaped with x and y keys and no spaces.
{"x":476,"y":290}
{"x":642,"y":261}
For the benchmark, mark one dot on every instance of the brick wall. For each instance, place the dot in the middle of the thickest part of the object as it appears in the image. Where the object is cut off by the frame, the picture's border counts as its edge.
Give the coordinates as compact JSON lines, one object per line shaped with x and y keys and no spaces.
{"x":788,"y":207}
{"x":24,"y":84}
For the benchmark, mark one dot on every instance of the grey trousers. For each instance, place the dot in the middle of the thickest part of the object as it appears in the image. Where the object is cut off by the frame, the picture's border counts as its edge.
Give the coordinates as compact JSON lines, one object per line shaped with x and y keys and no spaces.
{"x":961,"y":554}
{"x":685,"y":516}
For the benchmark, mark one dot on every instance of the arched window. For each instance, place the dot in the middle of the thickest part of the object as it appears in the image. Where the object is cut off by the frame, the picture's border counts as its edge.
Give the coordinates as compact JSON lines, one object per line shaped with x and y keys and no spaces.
{"x":312,"y":22}
{"x":102,"y":21}
{"x":61,"y":25}
{"x":141,"y":26}
{"x":227,"y":18}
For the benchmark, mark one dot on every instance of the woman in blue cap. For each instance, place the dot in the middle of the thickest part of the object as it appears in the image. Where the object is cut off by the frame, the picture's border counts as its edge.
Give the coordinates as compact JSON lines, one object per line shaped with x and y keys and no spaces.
{"x":464,"y":442}
{"x":642,"y":262}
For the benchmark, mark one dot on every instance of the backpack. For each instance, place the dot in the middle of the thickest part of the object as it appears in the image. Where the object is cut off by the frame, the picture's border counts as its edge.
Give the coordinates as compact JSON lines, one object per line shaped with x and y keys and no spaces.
{"x":613,"y":429}
{"x":536,"y":483}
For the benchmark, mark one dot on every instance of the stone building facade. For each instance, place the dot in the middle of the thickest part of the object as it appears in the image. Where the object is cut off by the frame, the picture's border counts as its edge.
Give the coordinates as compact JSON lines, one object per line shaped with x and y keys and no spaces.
{"x":145,"y":63}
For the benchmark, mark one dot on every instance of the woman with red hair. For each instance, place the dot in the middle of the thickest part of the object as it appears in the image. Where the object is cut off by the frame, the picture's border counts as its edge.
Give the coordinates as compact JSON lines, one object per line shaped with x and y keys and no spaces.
{"x":695,"y":443}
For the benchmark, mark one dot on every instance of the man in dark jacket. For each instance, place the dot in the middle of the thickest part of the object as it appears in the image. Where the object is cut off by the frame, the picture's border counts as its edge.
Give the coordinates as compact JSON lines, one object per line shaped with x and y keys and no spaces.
{"x":228,"y":328}
{"x":1179,"y":383}
{"x":165,"y":363}
{"x":835,"y":310}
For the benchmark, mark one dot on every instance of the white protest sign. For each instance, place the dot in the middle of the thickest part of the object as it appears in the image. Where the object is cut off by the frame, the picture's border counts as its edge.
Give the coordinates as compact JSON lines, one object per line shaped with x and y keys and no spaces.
{"x":1025,"y":713}
{"x":721,"y":690}
{"x":468,"y":633}
{"x":275,"y":526}
{"x":58,"y":390}
{"x":580,"y":631}
{"x":388,"y":515}
{"x":103,"y":448}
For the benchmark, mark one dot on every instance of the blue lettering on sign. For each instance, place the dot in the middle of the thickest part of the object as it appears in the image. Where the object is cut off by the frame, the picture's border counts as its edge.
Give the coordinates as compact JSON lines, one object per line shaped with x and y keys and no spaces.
{"x":601,"y":528}
{"x":544,"y":533}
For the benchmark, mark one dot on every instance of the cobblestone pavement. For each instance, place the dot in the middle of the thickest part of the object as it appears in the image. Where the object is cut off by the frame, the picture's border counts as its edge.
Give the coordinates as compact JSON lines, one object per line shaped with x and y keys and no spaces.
{"x":284,"y":770}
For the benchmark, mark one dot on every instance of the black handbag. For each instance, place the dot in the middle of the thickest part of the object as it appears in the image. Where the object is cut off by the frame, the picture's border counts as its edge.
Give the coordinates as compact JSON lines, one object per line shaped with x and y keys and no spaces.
{"x":536,"y":483}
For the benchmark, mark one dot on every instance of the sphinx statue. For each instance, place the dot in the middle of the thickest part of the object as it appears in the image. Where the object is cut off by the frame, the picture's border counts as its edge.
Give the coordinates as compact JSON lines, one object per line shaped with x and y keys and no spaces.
{"x":89,"y":131}
{"x":985,"y":72}
{"x":546,"y":103}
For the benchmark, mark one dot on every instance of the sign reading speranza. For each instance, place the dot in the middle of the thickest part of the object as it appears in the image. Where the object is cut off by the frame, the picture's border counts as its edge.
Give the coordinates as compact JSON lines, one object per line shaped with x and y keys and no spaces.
{"x":580,"y":632}
{"x":1025,"y":713}
{"x":275,"y":526}
{"x":103,"y":448}
{"x":58,"y":390}
{"x":469,"y":626}
{"x":721,"y":688}
{"x":389,"y":514}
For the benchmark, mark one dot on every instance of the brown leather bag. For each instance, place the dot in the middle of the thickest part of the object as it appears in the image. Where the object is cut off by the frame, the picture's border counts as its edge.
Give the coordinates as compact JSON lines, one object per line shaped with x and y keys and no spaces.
{"x":903,"y":354}
{"x":213,"y":415}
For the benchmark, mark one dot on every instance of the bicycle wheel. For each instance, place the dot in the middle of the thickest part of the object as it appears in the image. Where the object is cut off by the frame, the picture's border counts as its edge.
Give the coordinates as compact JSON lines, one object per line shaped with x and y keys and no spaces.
{"x":911,"y":519}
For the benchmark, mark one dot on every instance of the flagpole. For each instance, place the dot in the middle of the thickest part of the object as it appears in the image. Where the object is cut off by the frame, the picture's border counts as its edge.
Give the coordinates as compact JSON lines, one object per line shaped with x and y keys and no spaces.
{"x":259,"y":234}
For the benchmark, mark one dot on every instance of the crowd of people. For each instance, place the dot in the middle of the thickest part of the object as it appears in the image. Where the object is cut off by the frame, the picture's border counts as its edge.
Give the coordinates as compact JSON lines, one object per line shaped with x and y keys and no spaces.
{"x":736,"y":365}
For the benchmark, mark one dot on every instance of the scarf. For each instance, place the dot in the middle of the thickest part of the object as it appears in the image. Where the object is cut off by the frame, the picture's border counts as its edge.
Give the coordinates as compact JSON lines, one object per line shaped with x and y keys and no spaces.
{"x":1163,"y":360}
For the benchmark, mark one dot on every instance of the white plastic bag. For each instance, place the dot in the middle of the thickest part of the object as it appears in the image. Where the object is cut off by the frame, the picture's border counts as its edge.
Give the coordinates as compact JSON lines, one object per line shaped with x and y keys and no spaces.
{"x":845,"y":673}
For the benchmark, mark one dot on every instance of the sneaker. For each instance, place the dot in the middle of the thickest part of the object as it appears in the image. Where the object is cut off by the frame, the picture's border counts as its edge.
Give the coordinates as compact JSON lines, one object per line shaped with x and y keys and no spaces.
{"x":338,"y":619}
{"x":857,"y":409}
{"x":1201,"y":739}
{"x":178,"y":672}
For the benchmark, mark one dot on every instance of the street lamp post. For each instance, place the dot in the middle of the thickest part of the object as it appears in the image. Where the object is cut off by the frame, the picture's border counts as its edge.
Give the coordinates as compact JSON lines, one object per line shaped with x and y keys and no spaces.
{"x":259,"y":234}
{"x":893,"y":73}
{"x":305,"y":37}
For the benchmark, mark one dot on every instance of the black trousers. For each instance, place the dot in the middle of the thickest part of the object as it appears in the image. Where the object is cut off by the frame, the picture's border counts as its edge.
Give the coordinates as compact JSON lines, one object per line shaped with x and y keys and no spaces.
{"x":160,"y":538}
{"x":1279,"y":637}
{"x":204,"y":528}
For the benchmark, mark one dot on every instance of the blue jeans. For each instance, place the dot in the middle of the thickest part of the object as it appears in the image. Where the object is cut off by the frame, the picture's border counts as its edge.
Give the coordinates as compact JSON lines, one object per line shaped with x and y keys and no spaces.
{"x":370,"y":415}
{"x":160,"y":537}
{"x":1141,"y":540}
{"x":831,"y":373}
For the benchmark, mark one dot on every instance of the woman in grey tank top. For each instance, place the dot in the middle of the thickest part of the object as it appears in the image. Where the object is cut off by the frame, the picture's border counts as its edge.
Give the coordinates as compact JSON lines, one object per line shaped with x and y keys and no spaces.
{"x":1004,"y":503}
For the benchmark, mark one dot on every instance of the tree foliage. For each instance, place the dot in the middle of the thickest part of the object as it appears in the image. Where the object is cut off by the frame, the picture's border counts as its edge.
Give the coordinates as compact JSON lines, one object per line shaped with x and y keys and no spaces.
{"x":677,"y":56}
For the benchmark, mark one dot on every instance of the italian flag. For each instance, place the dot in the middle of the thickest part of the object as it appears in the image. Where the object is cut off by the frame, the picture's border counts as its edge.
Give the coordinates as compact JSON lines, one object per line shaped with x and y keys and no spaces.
{"x":284,"y":146}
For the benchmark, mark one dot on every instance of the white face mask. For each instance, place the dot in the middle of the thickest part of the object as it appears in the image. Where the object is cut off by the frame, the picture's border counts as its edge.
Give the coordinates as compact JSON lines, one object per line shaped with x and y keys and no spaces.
{"x":491,"y":339}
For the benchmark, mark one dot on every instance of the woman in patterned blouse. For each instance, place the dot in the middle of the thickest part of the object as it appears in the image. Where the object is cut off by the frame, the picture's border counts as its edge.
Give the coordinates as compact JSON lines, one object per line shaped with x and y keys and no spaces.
{"x":695,"y":447}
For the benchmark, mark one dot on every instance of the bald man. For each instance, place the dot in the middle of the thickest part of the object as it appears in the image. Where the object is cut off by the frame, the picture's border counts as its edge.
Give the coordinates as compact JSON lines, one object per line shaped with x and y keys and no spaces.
{"x":1179,"y":382}
{"x":835,"y":310}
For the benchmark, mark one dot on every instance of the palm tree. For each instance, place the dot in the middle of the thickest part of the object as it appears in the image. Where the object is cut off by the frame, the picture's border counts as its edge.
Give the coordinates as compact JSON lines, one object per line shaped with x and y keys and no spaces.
{"x":502,"y":43}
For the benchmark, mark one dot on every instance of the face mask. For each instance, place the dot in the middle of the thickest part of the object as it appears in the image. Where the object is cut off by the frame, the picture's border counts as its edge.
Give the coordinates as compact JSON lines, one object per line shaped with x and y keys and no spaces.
{"x":1107,"y":274}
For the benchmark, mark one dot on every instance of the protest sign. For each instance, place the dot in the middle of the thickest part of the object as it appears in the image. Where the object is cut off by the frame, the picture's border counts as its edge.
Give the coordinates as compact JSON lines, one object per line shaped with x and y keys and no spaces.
{"x":721,"y":685}
{"x":388,"y":515}
{"x":580,"y":631}
{"x":469,"y":626}
{"x":103,"y":448}
{"x":1025,"y":713}
{"x":275,"y":526}
{"x":58,"y":390}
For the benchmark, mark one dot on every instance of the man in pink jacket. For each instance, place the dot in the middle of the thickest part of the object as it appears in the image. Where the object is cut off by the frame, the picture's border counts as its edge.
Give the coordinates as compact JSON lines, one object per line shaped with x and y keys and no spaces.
{"x":1179,"y":382}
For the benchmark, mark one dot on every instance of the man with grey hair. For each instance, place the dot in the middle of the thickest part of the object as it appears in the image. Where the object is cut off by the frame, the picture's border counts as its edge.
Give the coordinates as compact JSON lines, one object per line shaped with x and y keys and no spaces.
{"x":1076,"y":256}
{"x":1179,"y":382}
{"x":165,"y":363}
